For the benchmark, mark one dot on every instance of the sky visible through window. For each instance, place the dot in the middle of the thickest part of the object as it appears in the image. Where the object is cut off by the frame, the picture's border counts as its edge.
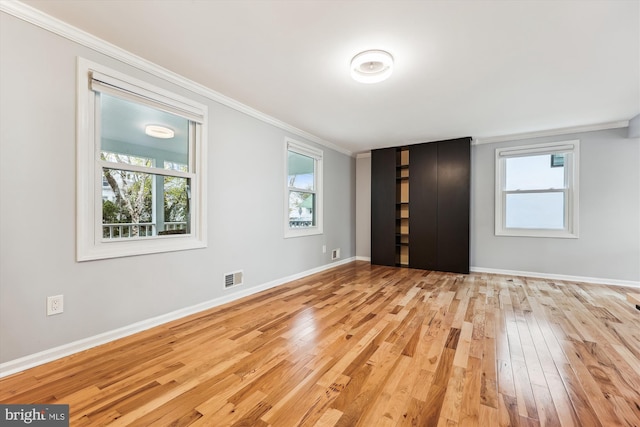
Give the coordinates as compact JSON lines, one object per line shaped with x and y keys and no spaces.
{"x":534,"y":210}
{"x":302,"y":181}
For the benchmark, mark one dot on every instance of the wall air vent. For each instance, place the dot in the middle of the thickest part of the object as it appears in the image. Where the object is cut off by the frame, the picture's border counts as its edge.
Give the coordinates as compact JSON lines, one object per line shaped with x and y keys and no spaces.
{"x":233,"y":279}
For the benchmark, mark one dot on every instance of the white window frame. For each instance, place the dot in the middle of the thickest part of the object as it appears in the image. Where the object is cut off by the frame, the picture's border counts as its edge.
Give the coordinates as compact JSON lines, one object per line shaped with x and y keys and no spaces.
{"x":571,"y":149}
{"x":317,"y":155}
{"x":93,"y":78}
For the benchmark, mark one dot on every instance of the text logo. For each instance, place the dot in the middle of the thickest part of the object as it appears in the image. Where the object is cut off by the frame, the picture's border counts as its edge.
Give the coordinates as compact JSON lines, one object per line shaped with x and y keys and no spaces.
{"x":34,"y":415}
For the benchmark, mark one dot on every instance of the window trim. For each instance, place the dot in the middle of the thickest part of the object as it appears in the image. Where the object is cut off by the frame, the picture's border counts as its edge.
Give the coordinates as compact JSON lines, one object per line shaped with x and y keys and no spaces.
{"x":317,"y":155}
{"x":571,"y":191}
{"x":89,"y":242}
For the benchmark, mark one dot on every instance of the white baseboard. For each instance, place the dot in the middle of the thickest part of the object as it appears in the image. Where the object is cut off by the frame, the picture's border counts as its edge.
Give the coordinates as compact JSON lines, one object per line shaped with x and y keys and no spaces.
{"x":597,"y":280}
{"x":32,"y":360}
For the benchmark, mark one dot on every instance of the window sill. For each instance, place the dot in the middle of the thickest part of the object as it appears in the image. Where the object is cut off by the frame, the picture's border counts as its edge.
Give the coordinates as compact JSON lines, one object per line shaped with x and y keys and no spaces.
{"x":301,"y":232}
{"x":523,"y":232}
{"x":118,"y":249}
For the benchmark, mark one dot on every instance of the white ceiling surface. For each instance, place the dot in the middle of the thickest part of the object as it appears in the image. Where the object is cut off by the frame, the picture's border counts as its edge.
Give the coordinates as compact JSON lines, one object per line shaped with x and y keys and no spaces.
{"x":463,"y":68}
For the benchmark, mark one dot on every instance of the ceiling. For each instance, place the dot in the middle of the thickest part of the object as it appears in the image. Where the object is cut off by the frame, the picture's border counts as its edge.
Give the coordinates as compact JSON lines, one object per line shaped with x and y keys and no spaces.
{"x":462,"y":68}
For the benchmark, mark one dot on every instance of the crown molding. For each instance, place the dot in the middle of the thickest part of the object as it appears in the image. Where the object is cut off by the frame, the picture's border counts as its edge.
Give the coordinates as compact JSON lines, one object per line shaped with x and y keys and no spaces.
{"x":552,"y":132}
{"x":63,"y":29}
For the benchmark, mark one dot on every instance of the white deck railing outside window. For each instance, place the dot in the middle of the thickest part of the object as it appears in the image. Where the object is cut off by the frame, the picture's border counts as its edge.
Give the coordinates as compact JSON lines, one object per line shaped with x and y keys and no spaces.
{"x":132,"y":230}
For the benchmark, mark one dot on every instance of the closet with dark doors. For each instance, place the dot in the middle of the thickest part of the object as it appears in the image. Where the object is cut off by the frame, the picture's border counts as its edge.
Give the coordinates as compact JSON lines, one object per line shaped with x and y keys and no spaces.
{"x":420,"y":201}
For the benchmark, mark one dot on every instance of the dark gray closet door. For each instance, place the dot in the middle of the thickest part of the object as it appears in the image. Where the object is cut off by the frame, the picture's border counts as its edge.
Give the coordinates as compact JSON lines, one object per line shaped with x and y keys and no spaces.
{"x":454,"y":183}
{"x":423,"y":206}
{"x":383,"y":206}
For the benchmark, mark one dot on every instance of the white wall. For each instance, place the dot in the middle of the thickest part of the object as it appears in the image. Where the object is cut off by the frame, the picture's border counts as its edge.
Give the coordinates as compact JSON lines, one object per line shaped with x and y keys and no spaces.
{"x":37,"y":208}
{"x":363,"y":206}
{"x":609,"y":244}
{"x":634,"y":127}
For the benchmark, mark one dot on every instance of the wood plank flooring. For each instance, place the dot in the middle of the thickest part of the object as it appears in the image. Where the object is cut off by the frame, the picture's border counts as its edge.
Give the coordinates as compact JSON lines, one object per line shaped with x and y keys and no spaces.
{"x":363,"y":345}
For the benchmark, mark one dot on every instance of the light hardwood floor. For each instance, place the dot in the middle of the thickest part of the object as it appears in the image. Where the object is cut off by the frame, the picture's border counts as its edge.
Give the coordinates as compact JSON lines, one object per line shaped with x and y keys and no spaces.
{"x":369,"y":346}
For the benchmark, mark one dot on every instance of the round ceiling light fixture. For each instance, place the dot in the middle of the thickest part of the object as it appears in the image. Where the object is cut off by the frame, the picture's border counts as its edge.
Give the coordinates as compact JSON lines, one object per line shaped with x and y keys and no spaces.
{"x":158,"y":131}
{"x":371,"y":66}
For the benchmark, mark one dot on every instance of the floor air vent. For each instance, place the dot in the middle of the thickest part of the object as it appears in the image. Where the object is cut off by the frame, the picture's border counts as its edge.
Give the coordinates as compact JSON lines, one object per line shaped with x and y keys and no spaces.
{"x":233,"y":279}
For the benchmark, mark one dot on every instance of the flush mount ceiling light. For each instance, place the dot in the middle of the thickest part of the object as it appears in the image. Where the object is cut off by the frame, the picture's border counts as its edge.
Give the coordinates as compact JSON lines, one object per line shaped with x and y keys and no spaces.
{"x":158,"y":131}
{"x":371,"y":66}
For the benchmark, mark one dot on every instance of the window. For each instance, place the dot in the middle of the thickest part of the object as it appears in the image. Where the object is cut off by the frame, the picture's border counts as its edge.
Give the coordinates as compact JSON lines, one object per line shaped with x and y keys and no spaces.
{"x":138,"y":192}
{"x":303,"y":192}
{"x":537,"y":190}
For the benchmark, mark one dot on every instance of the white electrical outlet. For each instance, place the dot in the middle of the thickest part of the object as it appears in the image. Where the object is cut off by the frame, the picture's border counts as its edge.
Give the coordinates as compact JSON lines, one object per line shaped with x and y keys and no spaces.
{"x":324,"y":249}
{"x":55,"y":305}
{"x":335,"y":254}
